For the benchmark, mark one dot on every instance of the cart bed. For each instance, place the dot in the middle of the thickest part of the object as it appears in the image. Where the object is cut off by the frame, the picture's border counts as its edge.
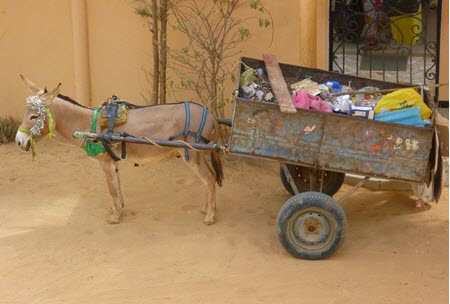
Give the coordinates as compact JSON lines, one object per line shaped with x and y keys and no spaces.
{"x":330,"y":141}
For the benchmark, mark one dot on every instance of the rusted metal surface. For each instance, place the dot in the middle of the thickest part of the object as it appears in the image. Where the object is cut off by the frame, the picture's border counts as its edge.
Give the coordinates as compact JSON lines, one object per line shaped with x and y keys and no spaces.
{"x":331,"y":141}
{"x":278,"y":84}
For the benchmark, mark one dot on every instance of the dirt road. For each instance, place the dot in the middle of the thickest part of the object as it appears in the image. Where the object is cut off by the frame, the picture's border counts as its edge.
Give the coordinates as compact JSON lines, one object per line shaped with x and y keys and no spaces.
{"x":56,"y":246}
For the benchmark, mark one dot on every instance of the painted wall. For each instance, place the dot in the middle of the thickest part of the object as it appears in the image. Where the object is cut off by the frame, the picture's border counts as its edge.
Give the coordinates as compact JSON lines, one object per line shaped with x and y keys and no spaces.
{"x":120,"y":47}
{"x":45,"y":40}
{"x":35,"y":40}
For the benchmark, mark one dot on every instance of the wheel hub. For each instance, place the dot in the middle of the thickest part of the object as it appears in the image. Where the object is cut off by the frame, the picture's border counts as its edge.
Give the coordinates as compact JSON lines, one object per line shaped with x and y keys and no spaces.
{"x":311,"y":228}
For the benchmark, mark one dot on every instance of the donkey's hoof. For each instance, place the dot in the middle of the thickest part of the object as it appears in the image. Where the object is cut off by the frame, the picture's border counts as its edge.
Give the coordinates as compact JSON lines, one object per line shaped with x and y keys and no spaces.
{"x":209,"y":222}
{"x":114,"y":219}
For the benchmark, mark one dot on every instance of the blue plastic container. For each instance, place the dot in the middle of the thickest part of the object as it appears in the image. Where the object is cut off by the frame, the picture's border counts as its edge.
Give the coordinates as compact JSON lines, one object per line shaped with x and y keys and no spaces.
{"x":410,"y":116}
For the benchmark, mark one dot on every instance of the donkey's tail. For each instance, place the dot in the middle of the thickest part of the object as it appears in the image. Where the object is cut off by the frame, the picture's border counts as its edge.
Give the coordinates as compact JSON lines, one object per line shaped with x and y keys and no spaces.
{"x":217,"y":165}
{"x":215,"y":158}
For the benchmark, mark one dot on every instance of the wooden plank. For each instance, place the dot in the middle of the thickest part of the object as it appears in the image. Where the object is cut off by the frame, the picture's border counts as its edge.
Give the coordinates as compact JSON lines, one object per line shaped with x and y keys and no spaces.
{"x":279,"y":86}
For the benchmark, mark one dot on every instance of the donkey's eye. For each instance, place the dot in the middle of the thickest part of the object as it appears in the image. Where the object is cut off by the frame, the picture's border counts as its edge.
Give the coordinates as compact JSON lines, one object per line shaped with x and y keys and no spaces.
{"x":33,"y":117}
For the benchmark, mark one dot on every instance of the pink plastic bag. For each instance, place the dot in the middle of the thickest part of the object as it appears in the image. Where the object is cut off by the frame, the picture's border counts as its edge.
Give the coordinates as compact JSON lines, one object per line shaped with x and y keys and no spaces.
{"x":303,"y":100}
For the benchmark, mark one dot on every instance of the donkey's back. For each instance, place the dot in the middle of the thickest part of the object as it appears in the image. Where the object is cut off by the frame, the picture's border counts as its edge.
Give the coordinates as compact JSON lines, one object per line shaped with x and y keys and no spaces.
{"x":169,"y":120}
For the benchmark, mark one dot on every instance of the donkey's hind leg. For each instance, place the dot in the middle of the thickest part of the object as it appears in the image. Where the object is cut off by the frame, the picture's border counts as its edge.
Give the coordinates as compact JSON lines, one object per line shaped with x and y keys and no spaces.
{"x":206,"y":175}
{"x":111,"y":170}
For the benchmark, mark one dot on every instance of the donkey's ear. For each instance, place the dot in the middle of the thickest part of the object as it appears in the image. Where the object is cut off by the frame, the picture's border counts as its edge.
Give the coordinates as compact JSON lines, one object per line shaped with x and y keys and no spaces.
{"x":31,"y":86}
{"x":49,"y":96}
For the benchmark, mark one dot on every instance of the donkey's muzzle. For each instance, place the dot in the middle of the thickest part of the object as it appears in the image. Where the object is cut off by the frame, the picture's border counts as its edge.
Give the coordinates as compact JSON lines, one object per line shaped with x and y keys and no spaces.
{"x":23,"y":141}
{"x":27,"y":145}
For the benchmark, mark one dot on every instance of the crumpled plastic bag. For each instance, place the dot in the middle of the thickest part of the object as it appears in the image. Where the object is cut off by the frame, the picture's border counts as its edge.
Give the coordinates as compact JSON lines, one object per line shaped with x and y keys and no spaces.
{"x":400,"y":99}
{"x":303,"y":100}
{"x":247,"y":77}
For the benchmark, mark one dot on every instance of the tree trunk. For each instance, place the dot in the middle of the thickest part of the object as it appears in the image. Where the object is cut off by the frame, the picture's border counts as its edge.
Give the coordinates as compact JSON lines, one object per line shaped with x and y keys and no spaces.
{"x":155,"y":45}
{"x":163,"y":51}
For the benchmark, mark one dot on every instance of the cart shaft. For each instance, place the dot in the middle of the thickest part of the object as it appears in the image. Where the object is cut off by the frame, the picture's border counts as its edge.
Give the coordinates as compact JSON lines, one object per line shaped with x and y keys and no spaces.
{"x":155,"y":142}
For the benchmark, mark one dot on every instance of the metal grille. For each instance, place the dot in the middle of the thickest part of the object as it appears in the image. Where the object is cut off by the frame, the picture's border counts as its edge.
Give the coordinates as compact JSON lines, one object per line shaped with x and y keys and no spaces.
{"x":389,"y":40}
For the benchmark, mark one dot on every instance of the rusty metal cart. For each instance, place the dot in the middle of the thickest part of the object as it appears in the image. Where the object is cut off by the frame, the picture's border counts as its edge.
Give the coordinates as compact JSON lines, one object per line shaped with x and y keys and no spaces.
{"x":315,"y":151}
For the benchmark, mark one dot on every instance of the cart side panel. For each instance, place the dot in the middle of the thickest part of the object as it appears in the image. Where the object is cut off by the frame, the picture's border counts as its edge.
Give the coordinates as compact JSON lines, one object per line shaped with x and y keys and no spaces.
{"x":260,"y":129}
{"x":331,"y":141}
{"x":375,"y":148}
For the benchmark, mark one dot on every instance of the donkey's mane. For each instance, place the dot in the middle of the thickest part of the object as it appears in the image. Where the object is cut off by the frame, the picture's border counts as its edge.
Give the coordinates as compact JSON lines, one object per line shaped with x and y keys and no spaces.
{"x":72,"y":101}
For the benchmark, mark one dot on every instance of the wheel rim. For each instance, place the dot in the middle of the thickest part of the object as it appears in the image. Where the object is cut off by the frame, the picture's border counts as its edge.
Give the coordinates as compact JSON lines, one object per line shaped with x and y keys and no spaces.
{"x":311,"y":229}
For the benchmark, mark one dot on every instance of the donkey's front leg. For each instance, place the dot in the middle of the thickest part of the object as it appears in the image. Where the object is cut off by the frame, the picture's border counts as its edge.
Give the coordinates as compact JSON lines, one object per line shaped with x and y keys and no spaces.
{"x":111,"y":170}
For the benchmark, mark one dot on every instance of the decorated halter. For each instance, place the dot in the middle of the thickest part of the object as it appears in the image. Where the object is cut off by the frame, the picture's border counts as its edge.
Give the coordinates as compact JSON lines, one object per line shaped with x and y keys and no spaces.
{"x":36,"y":104}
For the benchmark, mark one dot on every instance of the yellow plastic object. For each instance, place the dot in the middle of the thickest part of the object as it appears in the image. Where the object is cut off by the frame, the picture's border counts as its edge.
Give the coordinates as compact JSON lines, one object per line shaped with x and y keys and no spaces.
{"x":121,"y":117}
{"x":403,"y":98}
{"x":407,"y":29}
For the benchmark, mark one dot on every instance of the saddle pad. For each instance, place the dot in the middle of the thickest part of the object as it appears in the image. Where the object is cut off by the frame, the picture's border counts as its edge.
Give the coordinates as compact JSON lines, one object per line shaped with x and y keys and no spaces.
{"x":121,"y":116}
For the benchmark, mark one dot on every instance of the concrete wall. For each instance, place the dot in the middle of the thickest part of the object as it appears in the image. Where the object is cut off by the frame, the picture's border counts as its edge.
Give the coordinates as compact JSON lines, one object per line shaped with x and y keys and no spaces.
{"x":100,"y":47}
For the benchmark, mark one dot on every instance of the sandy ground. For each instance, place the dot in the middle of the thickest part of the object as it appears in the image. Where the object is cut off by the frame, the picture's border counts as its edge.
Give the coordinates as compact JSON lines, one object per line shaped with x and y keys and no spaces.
{"x":56,"y":247}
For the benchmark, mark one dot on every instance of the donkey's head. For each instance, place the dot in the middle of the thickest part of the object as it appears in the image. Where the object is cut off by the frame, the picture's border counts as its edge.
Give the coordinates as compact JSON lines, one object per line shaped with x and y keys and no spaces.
{"x":37,"y":120}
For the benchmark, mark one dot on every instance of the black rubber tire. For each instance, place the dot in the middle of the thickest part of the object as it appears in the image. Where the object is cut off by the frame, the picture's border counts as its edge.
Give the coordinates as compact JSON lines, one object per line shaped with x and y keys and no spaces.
{"x":311,"y":226}
{"x":333,"y":181}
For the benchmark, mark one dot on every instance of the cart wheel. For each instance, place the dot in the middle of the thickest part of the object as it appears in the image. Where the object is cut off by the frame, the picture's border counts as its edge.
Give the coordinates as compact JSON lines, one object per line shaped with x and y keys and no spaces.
{"x":311,"y":226}
{"x":332,"y":181}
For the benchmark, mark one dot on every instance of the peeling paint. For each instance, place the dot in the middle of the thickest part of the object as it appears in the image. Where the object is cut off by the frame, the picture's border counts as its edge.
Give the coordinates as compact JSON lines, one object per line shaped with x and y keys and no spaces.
{"x":309,"y":129}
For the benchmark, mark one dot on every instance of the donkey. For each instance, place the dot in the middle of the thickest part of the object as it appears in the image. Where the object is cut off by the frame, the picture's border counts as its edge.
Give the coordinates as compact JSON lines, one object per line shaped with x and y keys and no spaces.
{"x":49,"y":111}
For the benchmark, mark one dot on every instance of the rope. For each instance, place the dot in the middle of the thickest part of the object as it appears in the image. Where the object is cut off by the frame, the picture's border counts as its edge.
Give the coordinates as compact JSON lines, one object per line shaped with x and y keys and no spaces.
{"x":223,"y":149}
{"x":188,"y":145}
{"x":152,"y":142}
{"x":178,"y":140}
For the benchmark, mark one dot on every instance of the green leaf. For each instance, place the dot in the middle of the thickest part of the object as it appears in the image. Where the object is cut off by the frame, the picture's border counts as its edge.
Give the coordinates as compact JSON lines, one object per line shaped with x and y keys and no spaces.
{"x":244,"y":33}
{"x":233,"y":77}
{"x":170,"y":87}
{"x":185,"y":83}
{"x":143,"y":12}
{"x":254,"y":4}
{"x":220,"y":103}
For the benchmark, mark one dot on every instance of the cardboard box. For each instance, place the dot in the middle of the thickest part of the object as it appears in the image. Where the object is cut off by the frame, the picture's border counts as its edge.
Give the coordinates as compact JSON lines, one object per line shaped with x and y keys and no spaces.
{"x":362,"y":112}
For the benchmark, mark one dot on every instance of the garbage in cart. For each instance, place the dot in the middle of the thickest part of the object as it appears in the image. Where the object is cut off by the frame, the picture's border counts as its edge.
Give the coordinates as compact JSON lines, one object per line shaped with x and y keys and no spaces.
{"x":403,"y":106}
{"x":332,"y":121}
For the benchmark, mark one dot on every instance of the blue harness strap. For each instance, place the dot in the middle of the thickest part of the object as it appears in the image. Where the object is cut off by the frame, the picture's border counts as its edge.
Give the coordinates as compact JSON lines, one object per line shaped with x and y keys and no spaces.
{"x":200,"y":129}
{"x":188,"y":118}
{"x":202,"y":124}
{"x":198,"y":136}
